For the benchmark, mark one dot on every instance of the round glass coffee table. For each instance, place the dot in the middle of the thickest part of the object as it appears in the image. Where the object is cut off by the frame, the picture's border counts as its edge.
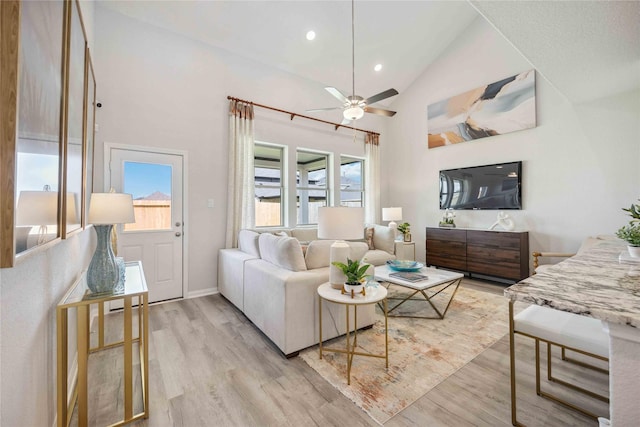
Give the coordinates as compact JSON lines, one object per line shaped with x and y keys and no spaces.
{"x":373,"y":296}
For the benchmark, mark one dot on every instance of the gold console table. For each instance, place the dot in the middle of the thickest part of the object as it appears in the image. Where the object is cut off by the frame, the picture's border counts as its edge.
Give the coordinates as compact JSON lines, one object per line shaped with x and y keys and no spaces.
{"x":80,"y":298}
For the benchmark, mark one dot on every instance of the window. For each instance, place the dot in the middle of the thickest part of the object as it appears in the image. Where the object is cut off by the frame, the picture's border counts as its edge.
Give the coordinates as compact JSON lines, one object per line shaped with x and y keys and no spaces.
{"x":351,"y":182}
{"x":311,"y":185}
{"x":314,"y":184}
{"x":268,"y":173}
{"x":150,"y":185}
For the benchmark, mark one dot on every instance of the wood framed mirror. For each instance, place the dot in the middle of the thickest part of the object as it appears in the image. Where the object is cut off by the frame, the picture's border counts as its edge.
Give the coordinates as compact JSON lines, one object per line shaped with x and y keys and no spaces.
{"x":44,"y":110}
{"x":73,"y":201}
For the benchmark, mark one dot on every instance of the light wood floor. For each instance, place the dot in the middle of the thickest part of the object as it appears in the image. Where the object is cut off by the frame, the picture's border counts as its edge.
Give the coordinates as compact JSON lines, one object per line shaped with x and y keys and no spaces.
{"x":209,"y":366}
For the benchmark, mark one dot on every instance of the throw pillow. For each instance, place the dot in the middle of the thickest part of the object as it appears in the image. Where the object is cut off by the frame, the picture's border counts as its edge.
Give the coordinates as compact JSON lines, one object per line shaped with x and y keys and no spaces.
{"x":248,"y":242}
{"x":284,"y":252}
{"x":384,"y":238}
{"x":318,"y":254}
{"x":357,"y":250}
{"x":368,"y":237}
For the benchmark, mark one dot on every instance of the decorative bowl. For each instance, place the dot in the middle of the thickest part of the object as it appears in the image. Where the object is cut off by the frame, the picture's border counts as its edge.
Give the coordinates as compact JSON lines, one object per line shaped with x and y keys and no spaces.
{"x":400,"y":265}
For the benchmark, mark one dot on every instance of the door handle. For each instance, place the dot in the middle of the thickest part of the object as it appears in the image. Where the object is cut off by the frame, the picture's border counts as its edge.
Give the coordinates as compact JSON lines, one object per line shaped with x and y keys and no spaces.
{"x":178,"y":234}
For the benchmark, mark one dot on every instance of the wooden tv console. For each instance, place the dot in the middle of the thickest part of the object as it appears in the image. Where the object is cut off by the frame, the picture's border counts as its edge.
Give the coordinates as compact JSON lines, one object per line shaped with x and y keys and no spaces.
{"x":502,"y":254}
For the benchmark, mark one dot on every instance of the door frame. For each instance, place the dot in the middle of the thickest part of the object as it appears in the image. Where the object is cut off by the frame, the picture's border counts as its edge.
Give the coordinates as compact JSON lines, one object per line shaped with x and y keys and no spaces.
{"x":108,"y":146}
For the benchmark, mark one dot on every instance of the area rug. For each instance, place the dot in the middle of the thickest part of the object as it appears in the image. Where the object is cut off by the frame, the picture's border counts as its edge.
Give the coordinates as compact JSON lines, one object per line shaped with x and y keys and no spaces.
{"x":422,"y":352}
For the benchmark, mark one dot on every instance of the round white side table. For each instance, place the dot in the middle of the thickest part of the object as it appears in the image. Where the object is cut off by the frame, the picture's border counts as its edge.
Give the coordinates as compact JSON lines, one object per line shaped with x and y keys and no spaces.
{"x":373,"y":296}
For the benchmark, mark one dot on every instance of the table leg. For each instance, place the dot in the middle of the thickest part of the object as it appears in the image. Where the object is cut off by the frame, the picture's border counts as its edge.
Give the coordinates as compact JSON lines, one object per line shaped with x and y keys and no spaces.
{"x":386,"y":333}
{"x":349,"y":353}
{"x":101,"y":325}
{"x":128,"y":359}
{"x":83,"y":357}
{"x":62,"y":342}
{"x":145,"y":347}
{"x":320,"y":326}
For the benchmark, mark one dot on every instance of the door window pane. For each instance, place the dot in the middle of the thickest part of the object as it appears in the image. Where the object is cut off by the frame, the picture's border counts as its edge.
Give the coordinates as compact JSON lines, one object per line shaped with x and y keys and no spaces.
{"x":150,"y":186}
{"x":268,"y":173}
{"x":351,"y":182}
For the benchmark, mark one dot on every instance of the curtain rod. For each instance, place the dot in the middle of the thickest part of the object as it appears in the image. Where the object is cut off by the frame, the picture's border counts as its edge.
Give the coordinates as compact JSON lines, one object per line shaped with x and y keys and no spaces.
{"x":292,"y":114}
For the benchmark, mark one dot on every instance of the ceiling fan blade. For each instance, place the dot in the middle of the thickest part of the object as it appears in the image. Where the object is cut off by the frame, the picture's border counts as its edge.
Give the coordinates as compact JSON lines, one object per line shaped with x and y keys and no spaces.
{"x":380,"y":96}
{"x":379,"y":111}
{"x":323,"y":109}
{"x":335,"y":92}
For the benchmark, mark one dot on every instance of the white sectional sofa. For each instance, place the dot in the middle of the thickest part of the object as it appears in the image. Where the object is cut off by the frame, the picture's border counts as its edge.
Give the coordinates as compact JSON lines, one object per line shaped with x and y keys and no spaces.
{"x":272,"y":277}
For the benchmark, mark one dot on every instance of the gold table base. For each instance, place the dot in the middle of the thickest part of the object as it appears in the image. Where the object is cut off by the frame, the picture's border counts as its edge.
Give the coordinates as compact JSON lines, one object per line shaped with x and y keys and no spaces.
{"x":350,"y":349}
{"x":79,"y":298}
{"x":426,"y":298}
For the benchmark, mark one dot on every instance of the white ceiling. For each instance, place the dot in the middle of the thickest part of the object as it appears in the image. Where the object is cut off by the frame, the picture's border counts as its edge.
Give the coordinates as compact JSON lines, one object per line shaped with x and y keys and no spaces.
{"x":587,"y":49}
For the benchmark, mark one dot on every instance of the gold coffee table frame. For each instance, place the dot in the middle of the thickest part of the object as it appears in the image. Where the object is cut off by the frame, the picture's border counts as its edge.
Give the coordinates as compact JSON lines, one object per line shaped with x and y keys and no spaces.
{"x":437,"y":282}
{"x":78,"y":297}
{"x":379,"y":295}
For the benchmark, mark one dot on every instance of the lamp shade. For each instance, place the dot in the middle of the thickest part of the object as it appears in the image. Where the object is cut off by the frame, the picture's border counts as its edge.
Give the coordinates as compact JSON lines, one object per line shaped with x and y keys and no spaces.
{"x":37,"y":208}
{"x":391,"y":214}
{"x":340,"y":223}
{"x":111,"y":208}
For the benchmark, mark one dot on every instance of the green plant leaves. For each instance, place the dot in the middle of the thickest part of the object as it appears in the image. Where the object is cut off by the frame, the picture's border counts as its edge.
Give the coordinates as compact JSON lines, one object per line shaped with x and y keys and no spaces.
{"x":353,"y":270}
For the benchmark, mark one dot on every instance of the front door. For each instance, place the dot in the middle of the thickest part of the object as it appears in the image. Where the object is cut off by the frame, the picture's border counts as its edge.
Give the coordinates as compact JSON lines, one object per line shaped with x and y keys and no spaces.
{"x":155,"y":181}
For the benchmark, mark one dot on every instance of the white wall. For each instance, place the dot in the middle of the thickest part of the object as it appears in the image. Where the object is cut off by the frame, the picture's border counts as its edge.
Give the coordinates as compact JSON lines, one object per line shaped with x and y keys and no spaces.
{"x":580,"y":164}
{"x":29,"y":293}
{"x":162,"y":90}
{"x":28,"y":298}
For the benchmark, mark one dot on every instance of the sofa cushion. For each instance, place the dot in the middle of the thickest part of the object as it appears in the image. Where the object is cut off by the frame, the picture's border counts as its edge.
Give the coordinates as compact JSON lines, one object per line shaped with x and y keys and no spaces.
{"x":284,"y":252}
{"x":318,"y":254}
{"x":305,"y":234}
{"x":357,"y":250}
{"x":248,"y":242}
{"x":384,"y":238}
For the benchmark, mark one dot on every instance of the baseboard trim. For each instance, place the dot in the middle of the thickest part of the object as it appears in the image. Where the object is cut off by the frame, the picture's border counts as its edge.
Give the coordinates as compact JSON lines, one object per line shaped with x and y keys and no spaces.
{"x":202,"y":293}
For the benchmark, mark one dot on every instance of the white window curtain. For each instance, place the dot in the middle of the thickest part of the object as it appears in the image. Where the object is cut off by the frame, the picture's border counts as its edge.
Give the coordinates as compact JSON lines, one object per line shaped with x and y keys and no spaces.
{"x":240,"y":192}
{"x":371,"y":179}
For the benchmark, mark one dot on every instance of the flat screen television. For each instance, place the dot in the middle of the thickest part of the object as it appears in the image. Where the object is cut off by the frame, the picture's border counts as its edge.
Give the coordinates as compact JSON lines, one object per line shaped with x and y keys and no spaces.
{"x":482,"y":187}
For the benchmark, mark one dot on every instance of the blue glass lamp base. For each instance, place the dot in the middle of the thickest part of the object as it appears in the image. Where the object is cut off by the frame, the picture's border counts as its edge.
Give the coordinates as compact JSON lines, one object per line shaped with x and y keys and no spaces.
{"x":103,"y":273}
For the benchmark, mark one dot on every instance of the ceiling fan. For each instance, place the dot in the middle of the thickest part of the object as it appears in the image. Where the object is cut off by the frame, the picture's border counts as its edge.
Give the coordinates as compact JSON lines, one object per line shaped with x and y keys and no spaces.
{"x":354,"y":106}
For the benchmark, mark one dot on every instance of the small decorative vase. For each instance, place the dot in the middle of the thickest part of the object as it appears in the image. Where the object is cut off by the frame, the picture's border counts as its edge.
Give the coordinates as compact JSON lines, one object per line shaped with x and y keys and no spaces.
{"x":407,"y":237}
{"x":634,"y":251}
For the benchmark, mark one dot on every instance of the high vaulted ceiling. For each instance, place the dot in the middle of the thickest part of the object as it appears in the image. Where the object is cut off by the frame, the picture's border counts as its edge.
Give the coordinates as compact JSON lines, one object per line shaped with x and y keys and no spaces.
{"x":587,"y":49}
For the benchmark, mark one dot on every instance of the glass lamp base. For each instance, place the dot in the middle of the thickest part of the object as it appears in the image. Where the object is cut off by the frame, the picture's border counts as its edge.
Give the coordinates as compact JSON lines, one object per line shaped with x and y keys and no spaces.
{"x":103,"y":275}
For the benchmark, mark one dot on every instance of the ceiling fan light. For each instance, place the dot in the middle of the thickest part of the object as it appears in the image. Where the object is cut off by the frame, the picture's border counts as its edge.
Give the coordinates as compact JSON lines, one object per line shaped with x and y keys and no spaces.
{"x":353,"y":113}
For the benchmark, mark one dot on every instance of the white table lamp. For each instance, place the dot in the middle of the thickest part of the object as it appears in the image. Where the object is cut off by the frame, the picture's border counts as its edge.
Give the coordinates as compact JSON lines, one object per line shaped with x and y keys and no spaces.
{"x":392,"y":215}
{"x":38,"y":209}
{"x":106,"y":209}
{"x":340,"y":224}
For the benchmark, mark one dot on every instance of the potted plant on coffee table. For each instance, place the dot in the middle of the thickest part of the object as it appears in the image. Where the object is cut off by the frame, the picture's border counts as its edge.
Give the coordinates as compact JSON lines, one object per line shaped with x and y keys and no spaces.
{"x":630,"y":233}
{"x":355,"y":273}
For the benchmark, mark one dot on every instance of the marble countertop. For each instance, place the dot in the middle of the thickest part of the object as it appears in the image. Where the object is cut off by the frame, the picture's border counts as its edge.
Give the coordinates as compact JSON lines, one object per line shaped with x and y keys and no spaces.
{"x":598,"y":283}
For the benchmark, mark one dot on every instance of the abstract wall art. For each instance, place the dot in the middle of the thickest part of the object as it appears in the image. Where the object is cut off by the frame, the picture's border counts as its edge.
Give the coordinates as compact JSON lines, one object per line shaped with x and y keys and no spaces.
{"x":508,"y":105}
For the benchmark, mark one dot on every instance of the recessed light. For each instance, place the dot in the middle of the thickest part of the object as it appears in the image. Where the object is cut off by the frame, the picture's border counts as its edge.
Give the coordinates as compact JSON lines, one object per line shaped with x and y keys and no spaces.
{"x":311,"y":35}
{"x":378,"y":67}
